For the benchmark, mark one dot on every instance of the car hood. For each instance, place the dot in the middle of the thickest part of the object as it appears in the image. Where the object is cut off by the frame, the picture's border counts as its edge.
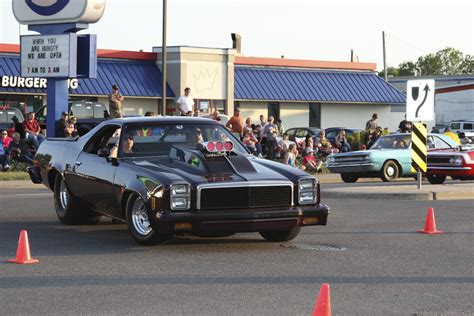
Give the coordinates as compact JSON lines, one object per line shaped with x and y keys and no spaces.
{"x":238,"y":169}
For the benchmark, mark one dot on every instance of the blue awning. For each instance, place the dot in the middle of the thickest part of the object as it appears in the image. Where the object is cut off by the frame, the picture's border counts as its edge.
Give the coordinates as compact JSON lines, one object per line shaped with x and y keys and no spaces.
{"x":276,"y":84}
{"x":134,"y":78}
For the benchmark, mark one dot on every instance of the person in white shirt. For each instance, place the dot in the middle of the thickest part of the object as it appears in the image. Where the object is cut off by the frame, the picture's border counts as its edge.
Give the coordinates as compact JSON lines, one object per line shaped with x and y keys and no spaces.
{"x":185,"y":103}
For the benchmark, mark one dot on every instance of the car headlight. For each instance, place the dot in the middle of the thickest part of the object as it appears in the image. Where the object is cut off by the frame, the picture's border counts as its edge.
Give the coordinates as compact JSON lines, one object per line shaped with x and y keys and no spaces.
{"x":180,"y":197}
{"x":367,"y":158}
{"x":455,"y":161}
{"x":307,"y":191}
{"x":330,"y":159}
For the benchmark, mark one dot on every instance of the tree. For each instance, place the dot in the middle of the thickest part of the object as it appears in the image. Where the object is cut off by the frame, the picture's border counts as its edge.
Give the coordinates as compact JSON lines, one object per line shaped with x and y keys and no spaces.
{"x":407,"y":68}
{"x":448,"y":61}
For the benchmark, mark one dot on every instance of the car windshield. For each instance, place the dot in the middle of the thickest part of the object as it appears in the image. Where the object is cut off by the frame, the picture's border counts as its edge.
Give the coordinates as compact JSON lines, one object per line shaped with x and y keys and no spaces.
{"x":157,"y":139}
{"x":392,"y":142}
{"x":7,"y":115}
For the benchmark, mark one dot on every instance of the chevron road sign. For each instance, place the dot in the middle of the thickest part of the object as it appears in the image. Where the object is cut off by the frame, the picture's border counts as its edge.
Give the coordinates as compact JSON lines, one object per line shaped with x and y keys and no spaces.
{"x":418,"y":148}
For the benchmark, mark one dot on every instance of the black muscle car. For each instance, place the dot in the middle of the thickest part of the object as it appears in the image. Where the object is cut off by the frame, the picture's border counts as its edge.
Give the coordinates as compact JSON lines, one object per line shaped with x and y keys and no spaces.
{"x":175,"y":175}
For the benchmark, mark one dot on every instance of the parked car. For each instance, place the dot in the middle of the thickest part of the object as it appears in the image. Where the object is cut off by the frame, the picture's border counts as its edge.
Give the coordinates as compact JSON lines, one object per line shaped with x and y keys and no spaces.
{"x":332,"y":132}
{"x":463,"y":126}
{"x":6,"y":116}
{"x":457,"y":164}
{"x":187,"y":175}
{"x":389,"y":158}
{"x":88,"y":114}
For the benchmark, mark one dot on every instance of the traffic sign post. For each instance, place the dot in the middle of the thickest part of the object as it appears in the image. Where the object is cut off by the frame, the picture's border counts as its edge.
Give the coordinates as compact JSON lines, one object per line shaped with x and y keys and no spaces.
{"x":420,"y":107}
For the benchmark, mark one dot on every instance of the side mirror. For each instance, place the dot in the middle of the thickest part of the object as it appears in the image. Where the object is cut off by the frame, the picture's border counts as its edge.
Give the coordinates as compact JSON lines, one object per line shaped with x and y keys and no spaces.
{"x":104,"y":152}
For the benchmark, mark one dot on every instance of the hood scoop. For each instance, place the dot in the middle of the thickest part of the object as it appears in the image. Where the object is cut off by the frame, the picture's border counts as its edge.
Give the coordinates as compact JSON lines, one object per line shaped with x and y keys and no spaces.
{"x":229,"y":163}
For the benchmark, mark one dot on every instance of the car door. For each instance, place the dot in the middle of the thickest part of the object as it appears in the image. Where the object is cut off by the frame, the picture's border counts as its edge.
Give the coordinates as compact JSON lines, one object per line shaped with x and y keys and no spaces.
{"x":92,"y":177}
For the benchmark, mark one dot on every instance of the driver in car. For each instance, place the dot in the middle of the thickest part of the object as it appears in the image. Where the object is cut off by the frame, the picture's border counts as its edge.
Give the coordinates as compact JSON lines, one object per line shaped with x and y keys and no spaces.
{"x":127,"y":147}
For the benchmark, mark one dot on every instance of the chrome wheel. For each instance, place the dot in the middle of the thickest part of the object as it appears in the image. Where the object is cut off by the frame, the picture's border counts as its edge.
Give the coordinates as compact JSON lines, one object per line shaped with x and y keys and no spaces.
{"x":140,"y":218}
{"x":390,"y":171}
{"x":63,"y":195}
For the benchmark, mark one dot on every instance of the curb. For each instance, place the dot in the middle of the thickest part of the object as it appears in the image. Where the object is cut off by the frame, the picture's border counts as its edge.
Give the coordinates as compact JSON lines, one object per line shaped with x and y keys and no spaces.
{"x":340,"y":194}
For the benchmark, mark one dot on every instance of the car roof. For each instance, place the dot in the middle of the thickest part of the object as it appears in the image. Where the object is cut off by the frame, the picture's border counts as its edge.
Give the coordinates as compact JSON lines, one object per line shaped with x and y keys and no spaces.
{"x":164,"y":119}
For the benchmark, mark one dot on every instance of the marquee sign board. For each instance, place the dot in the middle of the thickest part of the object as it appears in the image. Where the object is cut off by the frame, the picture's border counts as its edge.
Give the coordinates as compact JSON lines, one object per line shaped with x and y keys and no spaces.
{"x":48,"y":56}
{"x":58,"y":11}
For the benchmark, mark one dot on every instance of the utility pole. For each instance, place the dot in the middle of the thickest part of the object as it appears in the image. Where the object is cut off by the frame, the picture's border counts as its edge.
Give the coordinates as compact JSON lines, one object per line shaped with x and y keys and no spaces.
{"x":385,"y":74}
{"x":163,"y":60}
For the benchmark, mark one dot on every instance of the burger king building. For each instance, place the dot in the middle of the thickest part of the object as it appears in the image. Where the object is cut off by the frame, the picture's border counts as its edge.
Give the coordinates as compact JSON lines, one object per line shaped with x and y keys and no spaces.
{"x":299,"y":92}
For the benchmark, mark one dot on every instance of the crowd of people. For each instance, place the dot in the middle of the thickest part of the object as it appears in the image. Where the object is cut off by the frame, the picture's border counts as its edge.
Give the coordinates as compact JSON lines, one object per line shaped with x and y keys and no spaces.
{"x":265,"y":138}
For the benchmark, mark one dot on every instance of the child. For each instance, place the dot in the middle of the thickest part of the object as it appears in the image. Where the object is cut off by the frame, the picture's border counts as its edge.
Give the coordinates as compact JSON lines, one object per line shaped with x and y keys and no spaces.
{"x":290,"y":156}
{"x":309,"y":161}
{"x":249,"y":141}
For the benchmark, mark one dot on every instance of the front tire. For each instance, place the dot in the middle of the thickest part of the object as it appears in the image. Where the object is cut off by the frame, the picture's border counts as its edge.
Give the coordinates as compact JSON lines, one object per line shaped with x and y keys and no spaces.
{"x":390,"y":171}
{"x":69,"y":209}
{"x":348,"y":178}
{"x":281,"y":235}
{"x":436,"y":178}
{"x":138,"y":224}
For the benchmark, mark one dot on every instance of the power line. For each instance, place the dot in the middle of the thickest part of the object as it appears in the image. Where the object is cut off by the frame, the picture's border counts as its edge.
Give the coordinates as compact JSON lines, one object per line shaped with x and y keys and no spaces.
{"x":407,"y":43}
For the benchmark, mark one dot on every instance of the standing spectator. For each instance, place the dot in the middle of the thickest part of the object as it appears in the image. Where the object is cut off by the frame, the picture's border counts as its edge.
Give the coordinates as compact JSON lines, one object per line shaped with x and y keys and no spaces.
{"x":5,"y":141}
{"x":73,"y":124}
{"x":372,"y":124}
{"x":21,"y":149}
{"x":405,"y":126}
{"x":341,"y":142}
{"x":115,"y":103}
{"x":185,"y":103}
{"x":271,"y":130}
{"x":263,"y":135}
{"x":32,"y":130}
{"x":63,"y":129}
{"x":291,"y":155}
{"x":281,"y":127}
{"x":236,"y":124}
{"x":285,"y":143}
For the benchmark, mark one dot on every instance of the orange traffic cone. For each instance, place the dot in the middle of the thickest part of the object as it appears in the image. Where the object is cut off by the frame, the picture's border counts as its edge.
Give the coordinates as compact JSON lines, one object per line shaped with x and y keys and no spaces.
{"x":430,"y":226}
{"x":23,"y":255}
{"x":323,"y":304}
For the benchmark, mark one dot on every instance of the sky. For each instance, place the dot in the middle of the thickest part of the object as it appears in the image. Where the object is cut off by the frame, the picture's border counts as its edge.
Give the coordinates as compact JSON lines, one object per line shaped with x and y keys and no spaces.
{"x":299,"y":29}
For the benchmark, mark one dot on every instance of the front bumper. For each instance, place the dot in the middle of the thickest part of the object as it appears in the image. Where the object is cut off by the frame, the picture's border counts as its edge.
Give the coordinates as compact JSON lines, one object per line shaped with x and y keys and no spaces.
{"x":458,"y":171}
{"x":35,"y":174}
{"x":352,"y":168}
{"x":241,"y":220}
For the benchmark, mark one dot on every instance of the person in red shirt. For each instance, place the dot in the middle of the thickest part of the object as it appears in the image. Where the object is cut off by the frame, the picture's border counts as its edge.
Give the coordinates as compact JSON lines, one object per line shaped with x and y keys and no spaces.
{"x":236,"y":123}
{"x":32,"y":130}
{"x":5,"y":140}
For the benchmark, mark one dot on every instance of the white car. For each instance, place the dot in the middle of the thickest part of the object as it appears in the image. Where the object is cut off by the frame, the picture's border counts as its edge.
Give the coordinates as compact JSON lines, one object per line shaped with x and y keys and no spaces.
{"x":463,"y":126}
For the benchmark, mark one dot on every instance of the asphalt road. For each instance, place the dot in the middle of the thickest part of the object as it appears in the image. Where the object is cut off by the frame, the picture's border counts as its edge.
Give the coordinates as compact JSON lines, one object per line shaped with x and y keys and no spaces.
{"x":370,"y":253}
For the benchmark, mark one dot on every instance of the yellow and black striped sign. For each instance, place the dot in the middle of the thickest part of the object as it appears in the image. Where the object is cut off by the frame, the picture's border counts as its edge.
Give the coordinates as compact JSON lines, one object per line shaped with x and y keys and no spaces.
{"x":418,"y":148}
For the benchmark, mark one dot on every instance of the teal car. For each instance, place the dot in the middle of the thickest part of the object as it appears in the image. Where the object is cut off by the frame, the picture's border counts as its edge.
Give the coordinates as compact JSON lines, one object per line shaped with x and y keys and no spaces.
{"x":389,"y":158}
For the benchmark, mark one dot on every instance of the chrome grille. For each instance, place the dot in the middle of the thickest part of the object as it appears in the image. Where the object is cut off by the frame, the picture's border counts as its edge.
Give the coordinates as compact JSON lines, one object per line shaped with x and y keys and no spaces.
{"x":244,"y":196}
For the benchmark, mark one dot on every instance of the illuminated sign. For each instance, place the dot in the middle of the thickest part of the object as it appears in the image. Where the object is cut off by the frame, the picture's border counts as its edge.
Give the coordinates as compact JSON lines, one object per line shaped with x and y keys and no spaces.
{"x":50,"y":56}
{"x":38,"y":83}
{"x":58,"y":11}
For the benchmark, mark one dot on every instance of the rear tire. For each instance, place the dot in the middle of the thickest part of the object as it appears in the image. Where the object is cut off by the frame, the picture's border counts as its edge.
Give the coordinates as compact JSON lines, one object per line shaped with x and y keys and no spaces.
{"x":390,"y":171}
{"x":348,"y":178}
{"x":69,"y":209}
{"x":436,"y":179}
{"x":136,"y":215}
{"x":281,"y":235}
